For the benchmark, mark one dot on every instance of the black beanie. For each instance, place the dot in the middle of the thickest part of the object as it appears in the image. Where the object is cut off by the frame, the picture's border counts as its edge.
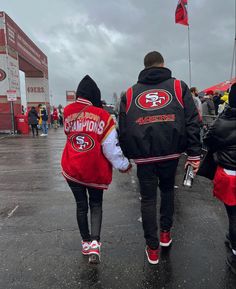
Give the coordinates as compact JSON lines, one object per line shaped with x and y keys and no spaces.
{"x":88,"y":89}
{"x":232,"y":96}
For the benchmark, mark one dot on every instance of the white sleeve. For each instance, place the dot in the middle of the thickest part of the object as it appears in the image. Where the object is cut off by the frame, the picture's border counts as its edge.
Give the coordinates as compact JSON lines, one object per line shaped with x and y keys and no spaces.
{"x":112,"y":151}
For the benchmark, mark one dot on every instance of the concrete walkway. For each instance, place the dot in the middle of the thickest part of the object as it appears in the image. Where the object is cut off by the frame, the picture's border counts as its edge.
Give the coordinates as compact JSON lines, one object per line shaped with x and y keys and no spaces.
{"x":40,"y":242}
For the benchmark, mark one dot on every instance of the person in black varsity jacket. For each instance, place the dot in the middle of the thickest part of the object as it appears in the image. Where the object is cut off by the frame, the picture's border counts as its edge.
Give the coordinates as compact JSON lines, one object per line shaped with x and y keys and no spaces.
{"x":158,"y":121}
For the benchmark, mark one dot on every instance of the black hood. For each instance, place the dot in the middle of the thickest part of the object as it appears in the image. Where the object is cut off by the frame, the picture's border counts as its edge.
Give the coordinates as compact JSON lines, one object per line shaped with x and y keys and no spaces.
{"x":232,"y":96}
{"x":88,"y":89}
{"x":154,"y":75}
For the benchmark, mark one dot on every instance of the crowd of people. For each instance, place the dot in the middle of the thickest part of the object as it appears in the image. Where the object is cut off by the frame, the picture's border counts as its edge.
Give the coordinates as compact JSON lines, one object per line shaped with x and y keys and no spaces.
{"x":39,"y":119}
{"x":159,"y":120}
{"x":210,"y":104}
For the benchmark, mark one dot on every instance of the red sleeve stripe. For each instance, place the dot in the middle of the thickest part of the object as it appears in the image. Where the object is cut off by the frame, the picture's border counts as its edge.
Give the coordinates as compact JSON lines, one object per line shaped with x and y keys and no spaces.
{"x":129,"y":96}
{"x":194,"y":158}
{"x":178,"y":92}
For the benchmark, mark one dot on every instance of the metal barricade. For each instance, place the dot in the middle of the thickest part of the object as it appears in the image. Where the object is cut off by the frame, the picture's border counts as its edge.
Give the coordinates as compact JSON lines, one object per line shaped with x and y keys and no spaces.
{"x":208,"y":119}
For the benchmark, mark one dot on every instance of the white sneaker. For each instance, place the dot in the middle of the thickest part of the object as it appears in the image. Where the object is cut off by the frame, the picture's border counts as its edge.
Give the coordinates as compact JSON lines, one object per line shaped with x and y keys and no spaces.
{"x":85,"y":247}
{"x":94,"y":252}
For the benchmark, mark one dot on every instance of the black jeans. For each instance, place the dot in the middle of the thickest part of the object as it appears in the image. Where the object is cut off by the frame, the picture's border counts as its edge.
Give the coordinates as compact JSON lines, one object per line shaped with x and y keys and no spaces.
{"x":34,"y":127}
{"x":95,"y":204}
{"x":150,"y":176}
{"x":231,"y":212}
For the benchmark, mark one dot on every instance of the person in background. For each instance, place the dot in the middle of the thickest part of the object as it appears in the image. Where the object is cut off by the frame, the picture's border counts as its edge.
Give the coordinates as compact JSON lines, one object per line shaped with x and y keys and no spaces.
{"x":221,"y":139}
{"x":22,"y":109}
{"x":55,"y":118}
{"x":158,"y":121}
{"x":225,"y":97}
{"x":44,"y":116}
{"x":217,"y":100}
{"x":197,"y":101}
{"x":40,"y":116}
{"x":60,"y":117}
{"x":208,"y":110}
{"x":51,"y":119}
{"x":208,"y":107}
{"x":33,"y":118}
{"x":224,"y":102}
{"x":90,"y":152}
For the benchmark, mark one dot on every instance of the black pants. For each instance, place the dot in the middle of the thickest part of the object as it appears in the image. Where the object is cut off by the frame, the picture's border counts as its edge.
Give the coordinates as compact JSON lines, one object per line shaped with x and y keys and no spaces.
{"x":34,"y":127}
{"x":231,"y":212}
{"x":150,"y":175}
{"x":95,"y":204}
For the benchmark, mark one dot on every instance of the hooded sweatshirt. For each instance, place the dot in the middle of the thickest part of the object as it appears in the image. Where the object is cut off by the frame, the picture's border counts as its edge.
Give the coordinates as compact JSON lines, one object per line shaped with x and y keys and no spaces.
{"x":158,"y":119}
{"x":92,"y":147}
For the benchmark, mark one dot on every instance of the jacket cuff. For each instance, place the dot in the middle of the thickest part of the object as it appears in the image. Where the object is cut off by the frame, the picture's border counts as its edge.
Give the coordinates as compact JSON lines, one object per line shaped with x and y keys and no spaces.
{"x":193,"y":158}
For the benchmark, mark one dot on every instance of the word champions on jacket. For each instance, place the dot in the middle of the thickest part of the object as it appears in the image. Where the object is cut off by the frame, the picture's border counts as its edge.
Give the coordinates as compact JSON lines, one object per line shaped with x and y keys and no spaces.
{"x":84,"y":121}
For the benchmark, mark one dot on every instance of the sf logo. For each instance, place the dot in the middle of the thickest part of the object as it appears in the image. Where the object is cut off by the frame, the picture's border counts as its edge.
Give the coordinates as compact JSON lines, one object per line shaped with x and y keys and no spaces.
{"x":154,"y":98}
{"x":80,"y":141}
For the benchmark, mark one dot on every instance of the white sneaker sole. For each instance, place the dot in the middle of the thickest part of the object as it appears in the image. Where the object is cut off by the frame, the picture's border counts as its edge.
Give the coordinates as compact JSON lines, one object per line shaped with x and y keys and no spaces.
{"x":150,"y":261}
{"x":166,"y":244}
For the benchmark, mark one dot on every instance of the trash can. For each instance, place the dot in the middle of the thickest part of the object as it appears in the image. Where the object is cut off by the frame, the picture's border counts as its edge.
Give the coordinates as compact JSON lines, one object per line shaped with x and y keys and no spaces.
{"x":22,"y":125}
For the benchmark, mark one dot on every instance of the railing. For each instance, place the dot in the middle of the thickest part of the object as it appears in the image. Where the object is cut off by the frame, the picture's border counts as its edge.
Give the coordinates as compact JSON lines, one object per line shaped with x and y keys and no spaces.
{"x":208,"y":119}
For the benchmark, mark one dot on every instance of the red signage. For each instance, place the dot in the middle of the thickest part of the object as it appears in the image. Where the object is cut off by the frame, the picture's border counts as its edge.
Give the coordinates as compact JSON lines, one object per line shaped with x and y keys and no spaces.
{"x":70,"y":95}
{"x":25,"y":47}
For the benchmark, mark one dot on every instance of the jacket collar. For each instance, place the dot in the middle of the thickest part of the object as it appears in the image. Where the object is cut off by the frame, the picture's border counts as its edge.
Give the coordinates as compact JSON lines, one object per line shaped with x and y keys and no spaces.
{"x":83,"y":101}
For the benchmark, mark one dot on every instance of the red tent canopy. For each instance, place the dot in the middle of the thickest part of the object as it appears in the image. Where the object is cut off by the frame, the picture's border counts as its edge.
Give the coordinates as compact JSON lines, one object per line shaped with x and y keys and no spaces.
{"x":223,"y":86}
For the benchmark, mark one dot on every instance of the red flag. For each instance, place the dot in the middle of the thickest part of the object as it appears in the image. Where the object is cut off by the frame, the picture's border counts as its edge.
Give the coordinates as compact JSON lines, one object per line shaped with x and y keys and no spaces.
{"x":181,"y":13}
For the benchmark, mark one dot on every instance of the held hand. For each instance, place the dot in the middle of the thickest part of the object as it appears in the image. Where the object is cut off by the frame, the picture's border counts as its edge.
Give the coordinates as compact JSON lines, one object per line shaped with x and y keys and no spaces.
{"x":126,"y":170}
{"x":194,"y":164}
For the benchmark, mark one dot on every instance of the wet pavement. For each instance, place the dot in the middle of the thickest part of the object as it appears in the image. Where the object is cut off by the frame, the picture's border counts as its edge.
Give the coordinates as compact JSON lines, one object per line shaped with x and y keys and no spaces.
{"x":40,"y":242}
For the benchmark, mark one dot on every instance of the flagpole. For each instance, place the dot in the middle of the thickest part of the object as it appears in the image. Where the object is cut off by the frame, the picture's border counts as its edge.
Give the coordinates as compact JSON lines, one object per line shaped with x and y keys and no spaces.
{"x":189,"y":58}
{"x":233,"y":66}
{"x":189,"y":54}
{"x":181,"y":17}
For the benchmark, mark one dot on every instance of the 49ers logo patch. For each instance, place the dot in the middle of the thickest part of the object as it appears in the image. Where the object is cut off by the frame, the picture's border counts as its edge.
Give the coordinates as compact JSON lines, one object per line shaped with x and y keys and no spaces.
{"x":2,"y":74}
{"x":82,"y":142}
{"x":153,"y":99}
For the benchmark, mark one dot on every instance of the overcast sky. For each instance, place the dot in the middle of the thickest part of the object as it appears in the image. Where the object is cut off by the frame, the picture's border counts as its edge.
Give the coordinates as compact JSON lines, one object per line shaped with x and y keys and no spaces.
{"x":109,"y":38}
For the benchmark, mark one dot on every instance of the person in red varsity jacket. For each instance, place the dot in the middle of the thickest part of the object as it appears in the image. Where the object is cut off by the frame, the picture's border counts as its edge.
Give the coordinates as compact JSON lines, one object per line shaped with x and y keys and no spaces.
{"x":90,"y":153}
{"x":158,"y":121}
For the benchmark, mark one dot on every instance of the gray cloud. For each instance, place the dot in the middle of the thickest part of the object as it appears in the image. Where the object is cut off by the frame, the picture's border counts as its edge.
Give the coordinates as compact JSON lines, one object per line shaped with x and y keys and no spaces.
{"x":108,"y":39}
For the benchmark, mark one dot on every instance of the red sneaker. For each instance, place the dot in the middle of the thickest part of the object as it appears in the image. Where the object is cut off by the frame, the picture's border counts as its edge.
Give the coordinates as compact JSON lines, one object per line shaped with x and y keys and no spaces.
{"x":95,"y":252}
{"x":152,"y":255}
{"x":165,"y":238}
{"x":85,"y":247}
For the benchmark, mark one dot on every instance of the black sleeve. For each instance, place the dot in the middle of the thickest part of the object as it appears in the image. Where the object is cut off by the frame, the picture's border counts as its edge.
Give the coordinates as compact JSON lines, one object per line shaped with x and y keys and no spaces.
{"x":192,"y":123}
{"x":211,"y":139}
{"x":217,"y":136}
{"x":122,"y":124}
